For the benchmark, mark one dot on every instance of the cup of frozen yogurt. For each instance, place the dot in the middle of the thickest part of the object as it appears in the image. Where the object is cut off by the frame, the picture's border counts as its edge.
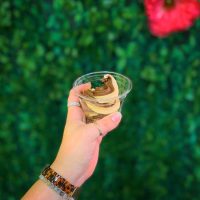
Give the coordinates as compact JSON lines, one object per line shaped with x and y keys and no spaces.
{"x":106,"y":95}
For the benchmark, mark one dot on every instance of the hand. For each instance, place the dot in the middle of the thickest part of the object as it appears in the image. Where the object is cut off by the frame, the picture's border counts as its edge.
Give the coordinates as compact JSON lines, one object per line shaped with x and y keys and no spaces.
{"x":79,"y":150}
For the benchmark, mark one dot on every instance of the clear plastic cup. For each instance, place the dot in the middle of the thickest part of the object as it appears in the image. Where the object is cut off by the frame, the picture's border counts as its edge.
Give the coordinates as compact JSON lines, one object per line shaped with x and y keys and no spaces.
{"x":88,"y":104}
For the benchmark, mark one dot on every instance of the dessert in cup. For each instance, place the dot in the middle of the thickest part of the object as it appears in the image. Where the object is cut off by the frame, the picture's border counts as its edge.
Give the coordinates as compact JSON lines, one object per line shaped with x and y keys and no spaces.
{"x":106,"y":95}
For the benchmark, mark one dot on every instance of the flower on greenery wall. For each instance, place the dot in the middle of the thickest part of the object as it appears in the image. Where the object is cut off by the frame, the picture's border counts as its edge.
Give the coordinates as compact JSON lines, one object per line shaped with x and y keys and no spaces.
{"x":168,"y":16}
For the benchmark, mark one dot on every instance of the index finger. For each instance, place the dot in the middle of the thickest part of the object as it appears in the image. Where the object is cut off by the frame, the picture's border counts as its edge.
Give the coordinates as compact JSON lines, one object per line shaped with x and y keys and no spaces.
{"x":75,"y":113}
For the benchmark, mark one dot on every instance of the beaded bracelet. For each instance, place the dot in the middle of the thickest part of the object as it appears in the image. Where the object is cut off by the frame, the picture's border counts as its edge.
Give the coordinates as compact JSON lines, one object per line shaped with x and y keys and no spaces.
{"x":58,"y":183}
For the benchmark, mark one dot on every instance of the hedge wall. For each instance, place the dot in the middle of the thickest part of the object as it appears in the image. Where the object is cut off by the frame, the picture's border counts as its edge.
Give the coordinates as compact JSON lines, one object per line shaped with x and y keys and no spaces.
{"x":45,"y":45}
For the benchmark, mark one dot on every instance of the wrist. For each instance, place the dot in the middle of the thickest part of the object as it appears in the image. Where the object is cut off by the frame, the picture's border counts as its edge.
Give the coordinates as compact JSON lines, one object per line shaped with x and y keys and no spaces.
{"x":65,"y":171}
{"x":58,"y":183}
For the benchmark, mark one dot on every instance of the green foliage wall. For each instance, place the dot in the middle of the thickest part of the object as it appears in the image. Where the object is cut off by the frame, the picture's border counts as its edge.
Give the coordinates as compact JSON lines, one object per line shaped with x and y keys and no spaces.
{"x":45,"y":45}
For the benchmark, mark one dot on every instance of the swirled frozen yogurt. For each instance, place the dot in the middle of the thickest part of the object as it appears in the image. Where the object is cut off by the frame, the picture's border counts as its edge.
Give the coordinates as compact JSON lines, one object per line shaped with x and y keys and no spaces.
{"x":102,"y":100}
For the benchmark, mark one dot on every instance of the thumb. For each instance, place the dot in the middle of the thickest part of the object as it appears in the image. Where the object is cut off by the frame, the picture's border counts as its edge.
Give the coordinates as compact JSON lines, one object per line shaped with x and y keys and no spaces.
{"x":109,"y":122}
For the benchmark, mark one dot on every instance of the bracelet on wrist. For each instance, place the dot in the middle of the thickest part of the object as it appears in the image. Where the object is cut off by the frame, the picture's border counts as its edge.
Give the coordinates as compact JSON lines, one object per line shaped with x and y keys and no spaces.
{"x":59,"y":184}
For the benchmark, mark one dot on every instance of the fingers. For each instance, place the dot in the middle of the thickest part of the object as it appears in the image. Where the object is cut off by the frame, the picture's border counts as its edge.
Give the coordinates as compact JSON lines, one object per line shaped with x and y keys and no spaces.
{"x":73,"y":95}
{"x":104,"y":125}
{"x":75,"y":113}
{"x":109,"y":122}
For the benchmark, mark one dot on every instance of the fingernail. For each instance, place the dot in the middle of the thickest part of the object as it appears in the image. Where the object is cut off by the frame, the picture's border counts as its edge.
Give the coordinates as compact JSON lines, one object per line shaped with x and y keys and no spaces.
{"x":116,"y":117}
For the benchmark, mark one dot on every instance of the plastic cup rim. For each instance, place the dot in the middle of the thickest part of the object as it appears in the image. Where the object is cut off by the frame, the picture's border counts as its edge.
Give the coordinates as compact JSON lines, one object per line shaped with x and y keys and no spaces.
{"x":121,"y":96}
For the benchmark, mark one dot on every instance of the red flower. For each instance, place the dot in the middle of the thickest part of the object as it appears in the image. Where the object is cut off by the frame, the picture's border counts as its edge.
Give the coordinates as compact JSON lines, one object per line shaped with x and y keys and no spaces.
{"x":167,"y":16}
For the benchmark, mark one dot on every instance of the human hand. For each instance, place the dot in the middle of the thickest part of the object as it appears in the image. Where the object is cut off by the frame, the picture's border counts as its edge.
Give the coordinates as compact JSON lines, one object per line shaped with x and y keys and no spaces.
{"x":78,"y":154}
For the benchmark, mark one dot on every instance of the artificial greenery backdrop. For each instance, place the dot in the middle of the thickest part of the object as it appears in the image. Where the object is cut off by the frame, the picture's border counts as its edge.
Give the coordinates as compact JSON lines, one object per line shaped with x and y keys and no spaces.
{"x":46,"y":45}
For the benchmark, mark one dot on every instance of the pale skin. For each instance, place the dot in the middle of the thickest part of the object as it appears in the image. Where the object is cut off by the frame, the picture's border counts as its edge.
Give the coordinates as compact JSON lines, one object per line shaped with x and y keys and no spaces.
{"x":79,"y":150}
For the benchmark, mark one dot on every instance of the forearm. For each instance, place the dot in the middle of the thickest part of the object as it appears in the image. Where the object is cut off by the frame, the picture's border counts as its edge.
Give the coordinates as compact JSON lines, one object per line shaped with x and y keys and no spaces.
{"x":41,"y":191}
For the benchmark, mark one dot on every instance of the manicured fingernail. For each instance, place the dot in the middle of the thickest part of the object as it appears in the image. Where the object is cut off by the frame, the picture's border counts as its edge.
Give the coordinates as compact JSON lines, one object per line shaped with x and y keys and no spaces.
{"x":116,"y":117}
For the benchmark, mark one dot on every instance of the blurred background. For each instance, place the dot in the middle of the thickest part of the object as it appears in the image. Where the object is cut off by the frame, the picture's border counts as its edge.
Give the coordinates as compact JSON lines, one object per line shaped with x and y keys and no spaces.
{"x":45,"y":45}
